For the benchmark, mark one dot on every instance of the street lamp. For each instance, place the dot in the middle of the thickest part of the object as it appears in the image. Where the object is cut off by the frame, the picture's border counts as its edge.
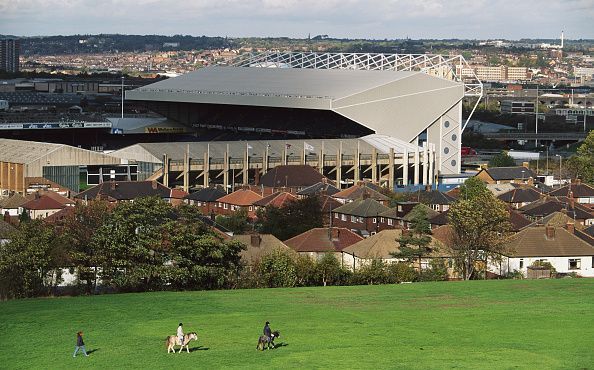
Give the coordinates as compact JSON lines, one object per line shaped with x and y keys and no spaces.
{"x":560,"y":162}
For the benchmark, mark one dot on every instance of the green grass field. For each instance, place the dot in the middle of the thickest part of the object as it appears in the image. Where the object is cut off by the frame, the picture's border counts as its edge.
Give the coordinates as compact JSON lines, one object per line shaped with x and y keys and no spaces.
{"x":473,"y":325}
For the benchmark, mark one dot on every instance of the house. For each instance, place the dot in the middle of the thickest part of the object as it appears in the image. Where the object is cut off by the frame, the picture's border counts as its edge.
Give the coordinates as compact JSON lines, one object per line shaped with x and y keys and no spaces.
{"x":12,"y":206}
{"x":328,"y":204}
{"x":362,"y":214}
{"x":519,"y":197}
{"x":239,"y":199}
{"x":322,"y":187}
{"x":35,"y":184}
{"x":260,"y":245}
{"x":359,"y":191}
{"x":544,"y":207}
{"x":122,"y":191}
{"x":291,"y":177}
{"x":435,"y":199}
{"x":319,"y":241}
{"x":582,"y":193}
{"x":177,"y":196}
{"x":392,"y":218}
{"x":517,"y":220}
{"x":381,"y":245}
{"x":205,"y":199}
{"x":42,"y":206}
{"x":587,"y":234}
{"x":559,"y":246}
{"x":499,"y":175}
{"x":278,"y":200}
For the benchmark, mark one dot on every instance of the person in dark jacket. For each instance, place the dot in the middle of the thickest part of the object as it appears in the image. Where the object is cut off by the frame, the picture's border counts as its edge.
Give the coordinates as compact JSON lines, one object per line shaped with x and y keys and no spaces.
{"x":80,"y":344}
{"x":267,"y":331}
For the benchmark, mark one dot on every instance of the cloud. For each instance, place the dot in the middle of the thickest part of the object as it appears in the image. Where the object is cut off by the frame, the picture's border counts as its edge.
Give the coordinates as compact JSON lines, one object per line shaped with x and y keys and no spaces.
{"x":297,"y":18}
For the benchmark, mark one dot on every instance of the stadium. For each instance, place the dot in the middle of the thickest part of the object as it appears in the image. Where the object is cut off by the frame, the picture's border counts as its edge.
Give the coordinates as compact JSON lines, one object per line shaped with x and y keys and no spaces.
{"x":412,"y":99}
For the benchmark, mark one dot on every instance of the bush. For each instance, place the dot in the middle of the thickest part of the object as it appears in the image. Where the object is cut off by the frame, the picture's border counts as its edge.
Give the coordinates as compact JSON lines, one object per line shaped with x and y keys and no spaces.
{"x":400,"y":272}
{"x":372,"y":273}
{"x":517,"y":275}
{"x":436,"y":272}
{"x":277,"y":270}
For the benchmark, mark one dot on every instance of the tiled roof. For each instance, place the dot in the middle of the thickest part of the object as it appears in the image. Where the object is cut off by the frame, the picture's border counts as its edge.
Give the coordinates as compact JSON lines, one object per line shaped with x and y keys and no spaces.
{"x":329,"y":203}
{"x":589,"y":230}
{"x":14,"y":201}
{"x":435,"y":197}
{"x":558,"y":219}
{"x":578,"y":191}
{"x":440,"y":219}
{"x":60,"y":215}
{"x":510,"y":173}
{"x":126,"y":190}
{"x":291,"y":176}
{"x":545,"y":207}
{"x":359,"y":191}
{"x":241,"y":197}
{"x":206,"y":195}
{"x":178,"y":194}
{"x":42,"y":203}
{"x":430,"y":213}
{"x":323,"y":186}
{"x":382,"y":244}
{"x":260,"y":245}
{"x":278,"y":199}
{"x":323,"y":240}
{"x":365,"y":207}
{"x":533,"y":242}
{"x":520,"y":195}
{"x":57,"y":197}
{"x":516,"y":220}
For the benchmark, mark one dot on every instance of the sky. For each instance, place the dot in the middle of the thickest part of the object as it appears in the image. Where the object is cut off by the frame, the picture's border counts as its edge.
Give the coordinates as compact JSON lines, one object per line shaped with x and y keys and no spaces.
{"x":370,"y":19}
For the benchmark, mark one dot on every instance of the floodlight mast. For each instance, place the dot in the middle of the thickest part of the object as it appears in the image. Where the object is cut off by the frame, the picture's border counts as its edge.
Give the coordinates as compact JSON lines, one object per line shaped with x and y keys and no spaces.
{"x":451,"y":67}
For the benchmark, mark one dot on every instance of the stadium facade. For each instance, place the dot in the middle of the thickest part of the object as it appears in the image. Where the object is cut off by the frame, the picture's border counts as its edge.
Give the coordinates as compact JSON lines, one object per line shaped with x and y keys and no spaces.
{"x":414,"y":99}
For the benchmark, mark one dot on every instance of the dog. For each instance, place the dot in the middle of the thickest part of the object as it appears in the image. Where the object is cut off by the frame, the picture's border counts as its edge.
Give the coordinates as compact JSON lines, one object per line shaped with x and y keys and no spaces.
{"x":264,"y":341}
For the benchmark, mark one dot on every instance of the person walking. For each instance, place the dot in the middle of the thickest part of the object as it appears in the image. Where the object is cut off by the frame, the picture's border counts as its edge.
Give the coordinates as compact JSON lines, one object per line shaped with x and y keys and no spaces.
{"x":180,"y":333}
{"x":80,"y":344}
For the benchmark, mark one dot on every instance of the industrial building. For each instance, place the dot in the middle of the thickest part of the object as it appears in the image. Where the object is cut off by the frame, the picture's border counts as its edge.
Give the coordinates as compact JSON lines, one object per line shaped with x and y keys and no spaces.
{"x":414,"y":99}
{"x":59,"y":163}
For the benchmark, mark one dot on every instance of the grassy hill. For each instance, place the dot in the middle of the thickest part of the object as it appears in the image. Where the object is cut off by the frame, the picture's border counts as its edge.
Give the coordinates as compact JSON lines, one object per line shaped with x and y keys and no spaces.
{"x":479,"y":324}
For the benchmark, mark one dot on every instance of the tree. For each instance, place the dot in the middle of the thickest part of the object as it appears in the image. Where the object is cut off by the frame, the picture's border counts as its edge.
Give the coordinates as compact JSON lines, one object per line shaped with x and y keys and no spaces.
{"x":472,"y":188}
{"x":277,"y":270}
{"x":237,"y":222}
{"x":371,"y":273}
{"x":329,"y":269}
{"x":581,"y":165}
{"x":479,"y":230}
{"x":77,"y":231}
{"x":30,"y":264}
{"x":293,"y":219}
{"x":414,"y":243}
{"x":502,"y":160}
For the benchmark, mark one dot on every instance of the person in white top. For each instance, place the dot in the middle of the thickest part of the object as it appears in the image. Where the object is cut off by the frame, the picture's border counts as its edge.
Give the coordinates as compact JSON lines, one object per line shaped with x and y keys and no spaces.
{"x":180,"y":333}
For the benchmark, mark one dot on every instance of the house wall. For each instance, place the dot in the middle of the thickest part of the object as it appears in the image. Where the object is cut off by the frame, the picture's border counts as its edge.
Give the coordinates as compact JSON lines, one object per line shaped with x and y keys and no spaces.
{"x":41,"y":213}
{"x":354,"y":222}
{"x":11,"y":211}
{"x":227,"y":209}
{"x":561,"y":265}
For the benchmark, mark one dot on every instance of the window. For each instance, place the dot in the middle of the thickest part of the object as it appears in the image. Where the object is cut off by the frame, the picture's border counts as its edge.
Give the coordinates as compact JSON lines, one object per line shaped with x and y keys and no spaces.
{"x":336,"y":215}
{"x":374,"y":220}
{"x":390,"y":221}
{"x":382,"y":220}
{"x":343,"y":217}
{"x":251,"y":208}
{"x":521,"y":263}
{"x":225,"y":206}
{"x":399,"y":208}
{"x":353,"y":219}
{"x":575,"y":263}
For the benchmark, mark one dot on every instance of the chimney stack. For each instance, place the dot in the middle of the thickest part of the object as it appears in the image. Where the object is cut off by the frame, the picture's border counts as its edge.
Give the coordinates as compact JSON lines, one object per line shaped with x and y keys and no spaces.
{"x":570,"y":226}
{"x":255,"y":240}
{"x":550,"y":232}
{"x":526,"y":164}
{"x":112,"y":185}
{"x":154,"y":185}
{"x":7,"y":217}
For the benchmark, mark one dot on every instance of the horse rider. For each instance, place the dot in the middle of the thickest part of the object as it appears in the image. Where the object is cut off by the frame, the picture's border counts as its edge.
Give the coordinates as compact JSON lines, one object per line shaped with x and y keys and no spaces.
{"x":180,"y":333}
{"x":267,"y":331}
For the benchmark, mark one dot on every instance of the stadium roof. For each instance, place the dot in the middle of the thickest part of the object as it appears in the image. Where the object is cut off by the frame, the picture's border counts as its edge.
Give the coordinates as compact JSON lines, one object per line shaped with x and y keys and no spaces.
{"x":272,"y":82}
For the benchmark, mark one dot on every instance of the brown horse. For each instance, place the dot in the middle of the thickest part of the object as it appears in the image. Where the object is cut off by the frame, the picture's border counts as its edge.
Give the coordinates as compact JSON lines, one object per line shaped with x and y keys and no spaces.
{"x":265,"y":341}
{"x":173,"y":340}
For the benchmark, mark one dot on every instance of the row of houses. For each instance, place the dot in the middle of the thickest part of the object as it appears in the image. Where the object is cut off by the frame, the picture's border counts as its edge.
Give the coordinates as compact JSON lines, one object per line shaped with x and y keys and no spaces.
{"x":362,"y":223}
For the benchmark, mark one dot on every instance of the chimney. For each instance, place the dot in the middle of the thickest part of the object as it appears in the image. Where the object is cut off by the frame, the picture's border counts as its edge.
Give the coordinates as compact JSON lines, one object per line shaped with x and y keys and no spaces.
{"x":112,"y":185}
{"x":255,"y":240}
{"x":571,"y":199}
{"x":427,"y":187}
{"x":526,"y":164}
{"x":324,"y":180}
{"x":365,"y":194}
{"x":154,"y":185}
{"x":550,"y":232}
{"x":37,"y":195}
{"x":6,"y":217}
{"x":570,"y":226}
{"x":333,"y":233}
{"x":578,"y":181}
